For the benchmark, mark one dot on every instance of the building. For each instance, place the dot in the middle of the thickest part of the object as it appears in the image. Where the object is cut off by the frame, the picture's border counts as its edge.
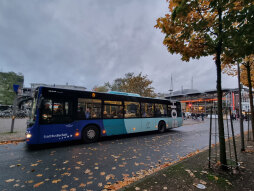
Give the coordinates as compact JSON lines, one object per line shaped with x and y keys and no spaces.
{"x":195,"y":101}
{"x":7,"y":80}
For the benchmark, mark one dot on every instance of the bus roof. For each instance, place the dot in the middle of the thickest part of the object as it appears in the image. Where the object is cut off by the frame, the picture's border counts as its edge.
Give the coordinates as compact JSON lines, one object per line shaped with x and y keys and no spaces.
{"x":111,"y":93}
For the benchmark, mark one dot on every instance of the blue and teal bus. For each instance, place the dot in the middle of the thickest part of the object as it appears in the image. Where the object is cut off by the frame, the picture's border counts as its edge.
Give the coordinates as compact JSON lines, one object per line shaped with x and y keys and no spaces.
{"x":63,"y":115}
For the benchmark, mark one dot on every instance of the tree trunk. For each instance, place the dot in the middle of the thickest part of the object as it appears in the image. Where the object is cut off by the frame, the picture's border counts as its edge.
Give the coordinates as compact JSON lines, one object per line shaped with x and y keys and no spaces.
{"x":223,"y":158}
{"x":251,"y":97}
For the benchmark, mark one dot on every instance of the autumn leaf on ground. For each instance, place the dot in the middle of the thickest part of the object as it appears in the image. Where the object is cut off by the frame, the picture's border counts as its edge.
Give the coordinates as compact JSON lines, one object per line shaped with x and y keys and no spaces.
{"x":12,"y":166}
{"x":38,"y":184}
{"x":65,"y":162}
{"x":66,"y":174}
{"x":96,"y":168}
{"x":30,"y":181}
{"x":18,"y":164}
{"x":65,"y":186}
{"x":87,"y":171}
{"x":82,"y":185}
{"x":102,"y":173}
{"x":56,"y":181}
{"x":90,"y":182}
{"x":35,"y":164}
{"x":39,"y":175}
{"x":75,"y":178}
{"x":73,"y":189}
{"x":100,"y":184}
{"x":16,"y":185}
{"x":9,"y":180}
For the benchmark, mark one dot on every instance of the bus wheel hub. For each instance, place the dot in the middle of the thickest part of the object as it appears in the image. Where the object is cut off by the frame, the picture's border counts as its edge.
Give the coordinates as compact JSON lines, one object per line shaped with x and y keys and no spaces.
{"x":90,"y":134}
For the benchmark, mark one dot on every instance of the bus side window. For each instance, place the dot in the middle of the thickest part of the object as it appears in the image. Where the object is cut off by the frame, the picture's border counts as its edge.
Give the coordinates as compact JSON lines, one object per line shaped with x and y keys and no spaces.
{"x":132,"y":109}
{"x":46,"y":111}
{"x":89,"y":108}
{"x":56,"y":111}
{"x":113,"y":109}
{"x":147,"y":110}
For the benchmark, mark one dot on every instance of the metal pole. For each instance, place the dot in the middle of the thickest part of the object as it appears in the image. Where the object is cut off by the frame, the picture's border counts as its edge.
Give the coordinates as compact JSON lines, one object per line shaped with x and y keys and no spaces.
{"x":240,"y":109}
{"x":215,"y":135}
{"x":210,"y":137}
{"x":233,"y":136}
{"x":229,"y":145}
{"x":13,"y":113}
{"x":248,"y":118}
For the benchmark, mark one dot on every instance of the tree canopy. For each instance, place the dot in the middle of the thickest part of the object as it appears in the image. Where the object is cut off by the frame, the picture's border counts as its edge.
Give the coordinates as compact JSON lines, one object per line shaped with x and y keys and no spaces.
{"x":130,"y":83}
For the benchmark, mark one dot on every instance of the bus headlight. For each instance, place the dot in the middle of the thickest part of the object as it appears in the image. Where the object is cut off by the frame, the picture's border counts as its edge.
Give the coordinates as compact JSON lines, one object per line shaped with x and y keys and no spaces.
{"x":28,"y":135}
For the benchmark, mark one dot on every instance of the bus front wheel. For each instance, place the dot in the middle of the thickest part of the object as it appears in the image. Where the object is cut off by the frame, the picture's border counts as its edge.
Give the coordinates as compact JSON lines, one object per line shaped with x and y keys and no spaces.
{"x":90,"y":134}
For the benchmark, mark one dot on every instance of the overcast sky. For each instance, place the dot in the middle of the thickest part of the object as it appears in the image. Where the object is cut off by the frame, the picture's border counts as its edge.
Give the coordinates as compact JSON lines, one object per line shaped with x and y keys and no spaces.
{"x":89,"y":42}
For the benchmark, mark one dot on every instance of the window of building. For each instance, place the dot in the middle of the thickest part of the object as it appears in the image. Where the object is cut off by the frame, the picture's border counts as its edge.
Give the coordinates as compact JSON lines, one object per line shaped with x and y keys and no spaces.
{"x":113,"y":109}
{"x":132,"y":109}
{"x":89,"y":108}
{"x":147,"y":109}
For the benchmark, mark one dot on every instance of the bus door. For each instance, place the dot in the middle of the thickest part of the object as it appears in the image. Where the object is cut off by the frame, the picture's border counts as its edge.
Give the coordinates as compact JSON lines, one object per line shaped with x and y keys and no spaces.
{"x":56,"y":121}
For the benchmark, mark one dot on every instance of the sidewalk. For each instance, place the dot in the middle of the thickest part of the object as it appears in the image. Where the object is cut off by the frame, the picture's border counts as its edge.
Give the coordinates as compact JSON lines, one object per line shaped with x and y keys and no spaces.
{"x":192,"y":173}
{"x":18,"y":132}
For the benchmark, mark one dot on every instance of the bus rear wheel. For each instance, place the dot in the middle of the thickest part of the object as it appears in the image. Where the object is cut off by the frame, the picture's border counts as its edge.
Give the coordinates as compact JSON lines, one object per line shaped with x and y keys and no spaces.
{"x":90,"y":134}
{"x":162,"y":127}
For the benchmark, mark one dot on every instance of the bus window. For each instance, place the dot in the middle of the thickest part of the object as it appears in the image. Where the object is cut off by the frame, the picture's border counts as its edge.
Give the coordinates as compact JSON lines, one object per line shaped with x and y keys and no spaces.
{"x":89,"y":108}
{"x":113,"y":109}
{"x":147,"y":109}
{"x":56,"y":111}
{"x":160,"y":110}
{"x":46,"y":111}
{"x":132,"y":109}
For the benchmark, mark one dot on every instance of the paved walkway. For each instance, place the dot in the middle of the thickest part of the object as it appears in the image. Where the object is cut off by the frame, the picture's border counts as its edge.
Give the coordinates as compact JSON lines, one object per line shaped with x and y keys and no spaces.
{"x":19,"y":129}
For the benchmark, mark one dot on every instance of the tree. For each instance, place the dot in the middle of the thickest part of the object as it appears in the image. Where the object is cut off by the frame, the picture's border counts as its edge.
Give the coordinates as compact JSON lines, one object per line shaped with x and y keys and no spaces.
{"x":198,"y":28}
{"x":139,"y":84}
{"x":103,"y":88}
{"x":130,"y":83}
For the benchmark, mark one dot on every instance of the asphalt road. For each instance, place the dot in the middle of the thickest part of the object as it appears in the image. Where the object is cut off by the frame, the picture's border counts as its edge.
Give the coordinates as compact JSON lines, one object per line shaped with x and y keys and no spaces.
{"x":71,"y":166}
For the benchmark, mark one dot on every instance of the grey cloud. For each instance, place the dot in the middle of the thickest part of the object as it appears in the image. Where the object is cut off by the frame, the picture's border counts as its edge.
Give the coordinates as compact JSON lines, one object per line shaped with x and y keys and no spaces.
{"x":91,"y":42}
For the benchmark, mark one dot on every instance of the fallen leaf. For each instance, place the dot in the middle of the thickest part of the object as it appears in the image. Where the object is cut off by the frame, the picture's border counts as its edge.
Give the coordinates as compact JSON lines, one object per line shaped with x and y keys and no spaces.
{"x":73,"y":189}
{"x":100,"y":184}
{"x":56,"y":181}
{"x":75,"y":178}
{"x":87,"y":171}
{"x":82,"y":185}
{"x":102,"y":173}
{"x":9,"y":180}
{"x":39,"y":175}
{"x":65,"y":186}
{"x":38,"y":184}
{"x":89,"y":182}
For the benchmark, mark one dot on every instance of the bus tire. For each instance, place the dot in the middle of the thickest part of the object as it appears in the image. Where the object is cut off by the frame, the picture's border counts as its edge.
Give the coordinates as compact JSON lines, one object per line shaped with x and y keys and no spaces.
{"x":90,"y":134}
{"x":162,"y":127}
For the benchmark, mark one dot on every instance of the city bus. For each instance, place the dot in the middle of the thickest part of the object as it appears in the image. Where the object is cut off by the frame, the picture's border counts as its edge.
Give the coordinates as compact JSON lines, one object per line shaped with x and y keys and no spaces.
{"x":66,"y":114}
